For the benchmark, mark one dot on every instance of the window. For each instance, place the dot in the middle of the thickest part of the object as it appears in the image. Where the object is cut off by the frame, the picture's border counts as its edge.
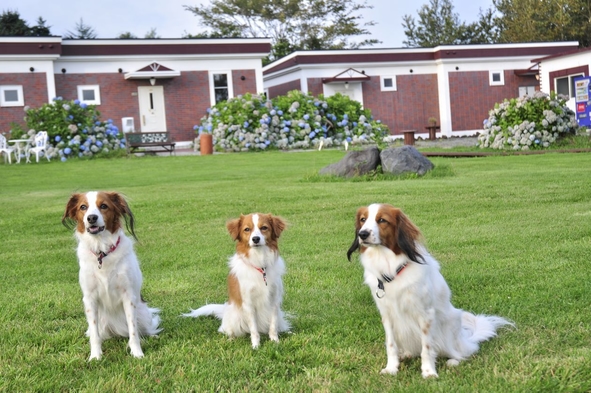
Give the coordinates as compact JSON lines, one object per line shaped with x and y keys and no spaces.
{"x":220,"y":86}
{"x":89,"y":94}
{"x":11,"y":95}
{"x":388,"y":83}
{"x":566,"y":85}
{"x":496,"y":78}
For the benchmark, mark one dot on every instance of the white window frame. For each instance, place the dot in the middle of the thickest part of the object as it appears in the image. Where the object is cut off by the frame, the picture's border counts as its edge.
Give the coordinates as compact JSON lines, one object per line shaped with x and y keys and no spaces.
{"x":97,"y":94}
{"x":212,"y":86}
{"x":526,"y":90}
{"x":491,"y":80}
{"x":571,"y":77}
{"x":383,"y":83}
{"x":19,"y":91}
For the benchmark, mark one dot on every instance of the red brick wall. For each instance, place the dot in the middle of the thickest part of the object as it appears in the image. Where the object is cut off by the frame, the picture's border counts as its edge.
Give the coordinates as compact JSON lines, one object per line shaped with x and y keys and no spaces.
{"x":35,"y":94}
{"x":248,"y":85}
{"x":471,"y":96}
{"x":407,"y":108}
{"x":186,"y":98}
{"x":315,"y":86}
{"x":284,"y":88}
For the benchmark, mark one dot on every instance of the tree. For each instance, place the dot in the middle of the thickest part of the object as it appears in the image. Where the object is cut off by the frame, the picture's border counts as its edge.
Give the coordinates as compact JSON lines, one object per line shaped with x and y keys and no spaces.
{"x":544,"y":20}
{"x":439,"y":25}
{"x":83,"y":32}
{"x":152,"y":33}
{"x":290,"y":24}
{"x":127,"y":35}
{"x":11,"y":24}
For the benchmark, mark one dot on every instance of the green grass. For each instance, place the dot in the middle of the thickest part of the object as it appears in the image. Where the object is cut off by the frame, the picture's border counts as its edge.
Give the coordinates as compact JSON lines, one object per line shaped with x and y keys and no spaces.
{"x":512,"y":233}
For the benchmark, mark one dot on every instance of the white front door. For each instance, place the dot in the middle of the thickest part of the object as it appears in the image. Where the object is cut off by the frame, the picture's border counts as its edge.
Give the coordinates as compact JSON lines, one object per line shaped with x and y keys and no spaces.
{"x":152,"y":114}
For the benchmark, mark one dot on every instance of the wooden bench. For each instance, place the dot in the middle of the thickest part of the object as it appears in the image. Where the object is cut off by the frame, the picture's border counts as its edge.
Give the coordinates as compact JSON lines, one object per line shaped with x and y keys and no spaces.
{"x":155,"y":142}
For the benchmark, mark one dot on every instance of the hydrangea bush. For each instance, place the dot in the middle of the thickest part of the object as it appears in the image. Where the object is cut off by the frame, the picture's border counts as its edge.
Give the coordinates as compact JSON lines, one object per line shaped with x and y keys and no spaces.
{"x":74,"y":129}
{"x":294,"y":121}
{"x":528,"y":123}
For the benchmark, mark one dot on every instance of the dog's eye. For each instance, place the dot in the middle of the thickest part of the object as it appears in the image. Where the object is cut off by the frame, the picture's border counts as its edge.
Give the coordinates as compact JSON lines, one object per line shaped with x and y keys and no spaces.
{"x":264,"y":228}
{"x":246,"y":229}
{"x":83,"y":207}
{"x":382,"y":221}
{"x":362,"y":219}
{"x":104,"y":206}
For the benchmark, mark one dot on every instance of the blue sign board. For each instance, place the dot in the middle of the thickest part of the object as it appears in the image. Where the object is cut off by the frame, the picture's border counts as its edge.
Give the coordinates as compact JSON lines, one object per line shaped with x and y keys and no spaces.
{"x":583,"y":100}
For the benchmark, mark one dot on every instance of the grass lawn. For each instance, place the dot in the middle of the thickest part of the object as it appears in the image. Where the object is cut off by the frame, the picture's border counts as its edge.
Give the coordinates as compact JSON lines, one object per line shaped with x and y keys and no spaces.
{"x":512,"y":233}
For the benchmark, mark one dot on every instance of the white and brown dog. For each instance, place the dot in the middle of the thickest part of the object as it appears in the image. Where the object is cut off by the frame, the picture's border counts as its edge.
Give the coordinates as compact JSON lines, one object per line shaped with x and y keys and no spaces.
{"x":255,"y":286}
{"x":412,"y":295}
{"x":110,"y":275}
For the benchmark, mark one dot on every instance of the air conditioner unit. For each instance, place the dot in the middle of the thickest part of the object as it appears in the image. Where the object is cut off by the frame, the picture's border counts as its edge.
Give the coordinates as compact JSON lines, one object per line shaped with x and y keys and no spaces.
{"x":128,"y":124}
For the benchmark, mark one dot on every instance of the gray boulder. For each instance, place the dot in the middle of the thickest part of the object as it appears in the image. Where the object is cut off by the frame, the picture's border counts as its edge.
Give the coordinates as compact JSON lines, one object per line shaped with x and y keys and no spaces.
{"x":405,"y":159}
{"x":355,"y":163}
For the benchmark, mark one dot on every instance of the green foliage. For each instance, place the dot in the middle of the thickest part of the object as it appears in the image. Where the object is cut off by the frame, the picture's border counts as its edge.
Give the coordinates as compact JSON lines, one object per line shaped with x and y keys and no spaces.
{"x":82,"y":32}
{"x":291,"y":24}
{"x":528,"y":123}
{"x":293,"y":121}
{"x":544,"y":20}
{"x":74,"y":129}
{"x":11,"y":24}
{"x":439,"y":25}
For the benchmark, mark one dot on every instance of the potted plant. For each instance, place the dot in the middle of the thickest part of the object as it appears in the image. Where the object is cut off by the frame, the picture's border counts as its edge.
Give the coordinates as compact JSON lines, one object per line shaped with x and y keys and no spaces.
{"x":205,"y":140}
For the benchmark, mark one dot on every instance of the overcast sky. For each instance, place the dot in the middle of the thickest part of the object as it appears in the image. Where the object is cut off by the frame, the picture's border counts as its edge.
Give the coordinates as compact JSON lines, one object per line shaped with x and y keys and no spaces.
{"x":110,"y":18}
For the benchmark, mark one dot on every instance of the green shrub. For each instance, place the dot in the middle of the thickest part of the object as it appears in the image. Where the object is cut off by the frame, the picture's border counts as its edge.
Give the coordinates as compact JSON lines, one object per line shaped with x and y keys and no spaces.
{"x":74,"y":129}
{"x":294,"y":121}
{"x":528,"y":123}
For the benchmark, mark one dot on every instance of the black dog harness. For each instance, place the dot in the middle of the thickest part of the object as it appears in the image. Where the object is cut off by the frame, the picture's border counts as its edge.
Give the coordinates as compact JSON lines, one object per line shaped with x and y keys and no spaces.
{"x":388,"y":278}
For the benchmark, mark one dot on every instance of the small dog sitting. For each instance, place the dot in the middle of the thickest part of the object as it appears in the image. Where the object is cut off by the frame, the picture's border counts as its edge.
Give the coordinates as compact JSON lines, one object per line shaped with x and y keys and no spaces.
{"x":110,"y":275}
{"x":412,"y":295}
{"x":255,"y":287}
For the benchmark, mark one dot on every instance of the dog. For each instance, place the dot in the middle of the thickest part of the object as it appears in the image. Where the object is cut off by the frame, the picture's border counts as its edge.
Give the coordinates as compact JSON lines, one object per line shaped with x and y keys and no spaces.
{"x":412,"y":295}
{"x":110,"y":275}
{"x":255,"y":286}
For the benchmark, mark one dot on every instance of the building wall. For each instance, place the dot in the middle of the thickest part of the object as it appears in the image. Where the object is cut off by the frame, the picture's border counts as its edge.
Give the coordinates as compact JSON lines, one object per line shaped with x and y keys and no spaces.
{"x":283,"y":88}
{"x":248,"y":85}
{"x":471,"y":96}
{"x":315,"y":86}
{"x":34,"y":91}
{"x":407,"y":108}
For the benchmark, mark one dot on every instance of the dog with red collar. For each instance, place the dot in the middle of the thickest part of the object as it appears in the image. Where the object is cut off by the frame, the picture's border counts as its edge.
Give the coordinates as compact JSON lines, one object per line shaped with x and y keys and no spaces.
{"x":110,"y":276}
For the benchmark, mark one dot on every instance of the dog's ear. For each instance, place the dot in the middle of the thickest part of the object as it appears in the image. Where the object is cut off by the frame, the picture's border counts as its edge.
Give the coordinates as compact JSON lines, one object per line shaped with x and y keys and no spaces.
{"x":278,"y":224}
{"x":234,"y":227}
{"x":407,"y":238}
{"x":123,"y":209}
{"x":69,"y":217}
{"x":355,"y":246}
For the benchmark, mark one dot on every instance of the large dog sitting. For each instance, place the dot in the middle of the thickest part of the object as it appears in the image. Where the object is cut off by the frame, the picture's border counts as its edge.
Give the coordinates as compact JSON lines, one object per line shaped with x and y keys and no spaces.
{"x":110,"y":275}
{"x":255,"y":287}
{"x":412,"y":295}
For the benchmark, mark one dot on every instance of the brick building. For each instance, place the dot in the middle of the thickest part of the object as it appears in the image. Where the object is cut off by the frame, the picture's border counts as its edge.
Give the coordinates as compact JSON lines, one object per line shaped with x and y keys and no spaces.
{"x":457,"y":85}
{"x":154,"y":84}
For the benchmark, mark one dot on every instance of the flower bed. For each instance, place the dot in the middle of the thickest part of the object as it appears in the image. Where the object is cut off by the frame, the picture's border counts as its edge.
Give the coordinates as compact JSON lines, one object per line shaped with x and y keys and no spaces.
{"x":294,"y":121}
{"x":74,"y":130}
{"x":528,"y":123}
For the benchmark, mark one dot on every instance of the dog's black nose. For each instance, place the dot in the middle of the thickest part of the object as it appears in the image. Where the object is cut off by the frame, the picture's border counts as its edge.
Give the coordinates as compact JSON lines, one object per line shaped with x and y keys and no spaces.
{"x":92,"y":218}
{"x":256,"y":239}
{"x":363,"y":235}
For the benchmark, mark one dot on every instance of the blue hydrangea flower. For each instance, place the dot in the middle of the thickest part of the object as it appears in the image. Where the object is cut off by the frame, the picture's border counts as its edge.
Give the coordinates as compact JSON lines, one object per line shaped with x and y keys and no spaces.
{"x":64,"y":159}
{"x":286,"y":129}
{"x":348,"y":139}
{"x":312,"y":134}
{"x":99,"y":143}
{"x":77,"y":102}
{"x":58,"y":138}
{"x":306,"y":116}
{"x":83,"y":105}
{"x":280,"y":113}
{"x":67,"y":151}
{"x":273,"y":112}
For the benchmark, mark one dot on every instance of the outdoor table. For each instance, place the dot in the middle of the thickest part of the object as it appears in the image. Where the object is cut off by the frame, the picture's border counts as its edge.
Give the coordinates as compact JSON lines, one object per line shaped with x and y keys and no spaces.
{"x":21,"y":145}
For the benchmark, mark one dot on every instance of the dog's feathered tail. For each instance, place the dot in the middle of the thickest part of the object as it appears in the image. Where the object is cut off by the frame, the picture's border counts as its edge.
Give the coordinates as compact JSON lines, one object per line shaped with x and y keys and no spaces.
{"x":216,"y":310}
{"x":480,"y":328}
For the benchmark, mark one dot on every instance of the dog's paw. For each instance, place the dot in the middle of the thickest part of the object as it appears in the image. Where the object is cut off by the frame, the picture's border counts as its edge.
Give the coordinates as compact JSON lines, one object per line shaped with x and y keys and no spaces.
{"x":95,"y":356}
{"x":429,"y":373}
{"x":389,"y":370}
{"x":137,"y":353}
{"x":274,"y":337}
{"x":452,"y":362}
{"x":255,"y":340}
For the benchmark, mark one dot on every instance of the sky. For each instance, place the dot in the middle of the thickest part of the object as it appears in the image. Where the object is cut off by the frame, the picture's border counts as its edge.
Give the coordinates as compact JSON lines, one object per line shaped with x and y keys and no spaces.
{"x":110,"y":18}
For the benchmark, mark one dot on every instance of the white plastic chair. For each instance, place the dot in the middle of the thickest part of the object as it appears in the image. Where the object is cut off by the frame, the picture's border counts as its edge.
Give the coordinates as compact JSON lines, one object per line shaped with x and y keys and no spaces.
{"x":5,"y":149}
{"x":40,"y":145}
